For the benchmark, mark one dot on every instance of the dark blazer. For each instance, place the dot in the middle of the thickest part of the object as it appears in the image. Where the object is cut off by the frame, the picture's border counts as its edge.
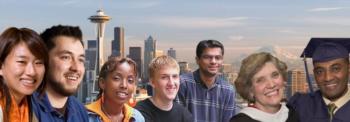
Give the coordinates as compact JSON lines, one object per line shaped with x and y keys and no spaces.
{"x":312,"y":108}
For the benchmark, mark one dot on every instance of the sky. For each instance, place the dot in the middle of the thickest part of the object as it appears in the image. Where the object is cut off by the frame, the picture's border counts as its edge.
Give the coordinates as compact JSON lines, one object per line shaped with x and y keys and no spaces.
{"x":241,"y":25}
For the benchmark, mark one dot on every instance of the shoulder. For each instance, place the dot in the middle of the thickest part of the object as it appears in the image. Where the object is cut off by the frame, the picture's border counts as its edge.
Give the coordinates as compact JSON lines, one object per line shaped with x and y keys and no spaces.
{"x":180,"y":108}
{"x":137,"y":115}
{"x":35,"y":97}
{"x":94,"y":117}
{"x":76,"y":105}
{"x":75,"y":102}
{"x":241,"y":117}
{"x":303,"y":98}
{"x":292,"y":115}
{"x":187,"y":77}
{"x":144,"y":104}
{"x":224,"y":84}
{"x":185,"y":114}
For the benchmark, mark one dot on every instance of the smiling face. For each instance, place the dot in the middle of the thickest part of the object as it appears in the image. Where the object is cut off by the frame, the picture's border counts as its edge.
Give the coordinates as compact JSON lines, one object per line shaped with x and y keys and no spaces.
{"x":166,"y":83}
{"x":119,"y":85}
{"x":332,"y":77}
{"x":66,"y":65}
{"x":267,"y":87}
{"x":210,"y":61}
{"x":22,"y":71}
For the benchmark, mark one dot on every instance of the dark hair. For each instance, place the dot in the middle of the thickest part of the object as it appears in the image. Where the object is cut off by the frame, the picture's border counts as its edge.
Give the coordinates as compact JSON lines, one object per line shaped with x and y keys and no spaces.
{"x":61,"y":30}
{"x":208,"y":44}
{"x":110,"y":66}
{"x":8,"y":40}
{"x":252,"y":65}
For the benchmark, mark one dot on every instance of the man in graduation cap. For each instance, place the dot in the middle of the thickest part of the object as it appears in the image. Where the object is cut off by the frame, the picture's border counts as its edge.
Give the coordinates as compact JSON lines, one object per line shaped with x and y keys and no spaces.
{"x":330,"y":103}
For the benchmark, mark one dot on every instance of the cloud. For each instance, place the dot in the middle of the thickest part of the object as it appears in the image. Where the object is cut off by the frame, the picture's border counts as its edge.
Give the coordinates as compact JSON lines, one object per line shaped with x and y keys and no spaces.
{"x":323,"y":21}
{"x":197,"y":22}
{"x":142,"y":5}
{"x":287,"y":31}
{"x":325,"y":9}
{"x":70,"y":2}
{"x":236,"y":38}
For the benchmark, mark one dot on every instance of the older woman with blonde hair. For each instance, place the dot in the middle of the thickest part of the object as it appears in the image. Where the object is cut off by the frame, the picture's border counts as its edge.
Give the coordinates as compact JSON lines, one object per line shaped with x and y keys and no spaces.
{"x":261,"y":81}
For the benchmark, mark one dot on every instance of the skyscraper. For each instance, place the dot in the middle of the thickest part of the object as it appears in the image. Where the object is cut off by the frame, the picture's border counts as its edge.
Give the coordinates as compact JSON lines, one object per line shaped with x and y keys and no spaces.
{"x":172,"y":53}
{"x":296,"y":82}
{"x":84,"y":93}
{"x":149,"y":54}
{"x":118,"y":42}
{"x":100,"y":19}
{"x":135,"y":54}
{"x":90,"y":53}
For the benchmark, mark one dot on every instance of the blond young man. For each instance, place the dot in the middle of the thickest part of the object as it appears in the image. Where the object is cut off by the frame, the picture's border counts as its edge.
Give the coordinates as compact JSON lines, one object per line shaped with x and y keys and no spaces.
{"x":164,"y":78}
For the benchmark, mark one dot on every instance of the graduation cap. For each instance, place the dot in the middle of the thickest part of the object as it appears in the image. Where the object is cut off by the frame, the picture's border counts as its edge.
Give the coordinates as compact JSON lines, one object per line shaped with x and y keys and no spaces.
{"x":325,"y":49}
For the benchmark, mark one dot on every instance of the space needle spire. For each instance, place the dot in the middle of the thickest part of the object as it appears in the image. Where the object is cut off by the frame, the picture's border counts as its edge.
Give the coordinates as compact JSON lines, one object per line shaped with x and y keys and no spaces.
{"x":100,"y":19}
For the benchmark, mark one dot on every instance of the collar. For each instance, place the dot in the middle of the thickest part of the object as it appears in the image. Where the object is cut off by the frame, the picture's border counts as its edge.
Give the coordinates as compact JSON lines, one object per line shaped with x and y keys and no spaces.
{"x":279,"y":116}
{"x":95,"y":107}
{"x":340,"y":102}
{"x":197,"y":78}
{"x":44,"y":103}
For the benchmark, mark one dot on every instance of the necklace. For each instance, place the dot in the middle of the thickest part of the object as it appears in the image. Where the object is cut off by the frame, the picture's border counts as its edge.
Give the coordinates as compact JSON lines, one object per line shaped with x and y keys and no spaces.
{"x":105,"y":112}
{"x":108,"y":115}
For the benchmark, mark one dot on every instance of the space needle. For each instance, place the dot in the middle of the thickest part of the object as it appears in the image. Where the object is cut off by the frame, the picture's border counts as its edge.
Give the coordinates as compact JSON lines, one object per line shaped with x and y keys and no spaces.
{"x":100,"y":19}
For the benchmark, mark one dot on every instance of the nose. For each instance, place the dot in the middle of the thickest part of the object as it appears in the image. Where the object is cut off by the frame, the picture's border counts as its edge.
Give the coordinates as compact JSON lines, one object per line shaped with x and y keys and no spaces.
{"x":171,"y":81}
{"x":271,"y":84}
{"x":74,"y":65}
{"x":30,"y":69}
{"x":328,"y":76}
{"x":213,"y":60}
{"x":123,"y":84}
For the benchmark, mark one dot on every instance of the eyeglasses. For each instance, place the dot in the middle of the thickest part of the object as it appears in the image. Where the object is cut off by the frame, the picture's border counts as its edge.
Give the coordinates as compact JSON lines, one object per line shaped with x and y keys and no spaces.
{"x":210,"y":57}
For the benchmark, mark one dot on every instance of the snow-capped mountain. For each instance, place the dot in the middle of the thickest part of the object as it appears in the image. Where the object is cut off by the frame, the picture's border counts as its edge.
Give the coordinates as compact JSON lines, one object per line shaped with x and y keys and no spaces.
{"x":292,"y":60}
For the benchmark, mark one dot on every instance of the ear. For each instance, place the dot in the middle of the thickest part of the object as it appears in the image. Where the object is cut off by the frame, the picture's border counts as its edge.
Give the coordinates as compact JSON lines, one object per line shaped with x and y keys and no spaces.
{"x":151,"y":81}
{"x":197,"y":60}
{"x":1,"y":73}
{"x":101,"y":83}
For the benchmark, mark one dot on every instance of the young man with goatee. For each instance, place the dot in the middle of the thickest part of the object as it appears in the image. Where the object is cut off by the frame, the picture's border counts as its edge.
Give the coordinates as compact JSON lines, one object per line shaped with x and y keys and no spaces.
{"x":54,"y":101}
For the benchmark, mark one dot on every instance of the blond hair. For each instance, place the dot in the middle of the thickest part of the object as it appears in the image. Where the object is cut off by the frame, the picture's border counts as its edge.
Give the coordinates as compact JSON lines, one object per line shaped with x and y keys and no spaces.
{"x":161,"y":62}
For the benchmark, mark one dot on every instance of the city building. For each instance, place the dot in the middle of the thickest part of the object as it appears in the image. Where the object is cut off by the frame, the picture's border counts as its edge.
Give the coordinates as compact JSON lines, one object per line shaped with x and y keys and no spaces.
{"x":86,"y":92}
{"x":149,"y":54}
{"x":135,"y":54}
{"x":296,"y":82}
{"x":118,"y":42}
{"x":172,"y":53}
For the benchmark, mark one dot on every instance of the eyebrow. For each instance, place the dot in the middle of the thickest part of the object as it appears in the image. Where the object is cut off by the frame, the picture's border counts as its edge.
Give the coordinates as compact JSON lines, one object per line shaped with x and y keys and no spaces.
{"x":69,"y":52}
{"x":22,"y":56}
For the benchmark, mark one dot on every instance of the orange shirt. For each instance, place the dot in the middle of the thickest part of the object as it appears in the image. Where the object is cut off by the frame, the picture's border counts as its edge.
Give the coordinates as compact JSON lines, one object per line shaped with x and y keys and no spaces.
{"x":18,"y":113}
{"x":96,"y":108}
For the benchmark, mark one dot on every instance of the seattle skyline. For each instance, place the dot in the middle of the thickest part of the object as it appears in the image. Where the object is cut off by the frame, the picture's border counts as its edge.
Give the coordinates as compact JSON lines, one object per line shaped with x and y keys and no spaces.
{"x":242,"y":26}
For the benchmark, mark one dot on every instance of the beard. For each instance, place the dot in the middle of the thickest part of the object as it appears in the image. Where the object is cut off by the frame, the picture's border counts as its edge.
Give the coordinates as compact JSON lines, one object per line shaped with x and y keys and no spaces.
{"x":60,"y":89}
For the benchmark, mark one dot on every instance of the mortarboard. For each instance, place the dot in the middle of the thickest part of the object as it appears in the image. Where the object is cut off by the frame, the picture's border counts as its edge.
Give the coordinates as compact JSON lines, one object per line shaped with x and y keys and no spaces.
{"x":325,"y":49}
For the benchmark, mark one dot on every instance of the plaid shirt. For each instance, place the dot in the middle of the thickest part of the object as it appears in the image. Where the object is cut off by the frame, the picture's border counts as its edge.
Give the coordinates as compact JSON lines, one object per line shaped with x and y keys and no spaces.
{"x":215,"y":104}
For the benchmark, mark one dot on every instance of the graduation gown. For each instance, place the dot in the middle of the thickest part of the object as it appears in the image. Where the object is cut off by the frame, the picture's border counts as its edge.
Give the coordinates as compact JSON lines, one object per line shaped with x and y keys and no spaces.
{"x":312,"y":108}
